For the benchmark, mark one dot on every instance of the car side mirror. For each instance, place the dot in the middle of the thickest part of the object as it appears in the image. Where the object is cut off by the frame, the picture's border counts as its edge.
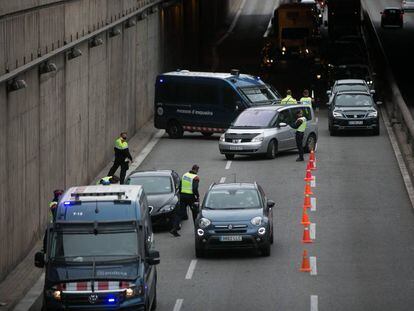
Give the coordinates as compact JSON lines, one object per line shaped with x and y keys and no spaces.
{"x":151,"y":208}
{"x":372,"y":91}
{"x":379,"y":103}
{"x":270,"y":203}
{"x":381,"y":12}
{"x":153,"y":257}
{"x":282,"y":124}
{"x":329,"y":93}
{"x":39,"y":260}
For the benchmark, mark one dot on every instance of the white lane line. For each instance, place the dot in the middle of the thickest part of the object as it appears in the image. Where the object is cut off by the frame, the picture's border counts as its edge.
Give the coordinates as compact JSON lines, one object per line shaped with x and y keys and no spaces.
{"x":222,"y":180}
{"x":191,"y":269}
{"x":313,"y":182}
{"x":228,"y":164}
{"x":312,"y":231}
{"x":317,"y":119}
{"x":146,"y":151}
{"x":32,"y":295}
{"x":314,"y":270}
{"x":178,"y":304}
{"x":313,"y":204}
{"x":314,"y":303}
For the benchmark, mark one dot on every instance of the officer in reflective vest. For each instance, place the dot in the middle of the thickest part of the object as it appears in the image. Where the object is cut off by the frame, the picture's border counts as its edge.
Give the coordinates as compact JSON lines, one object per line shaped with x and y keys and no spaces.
{"x":188,"y":197}
{"x":288,"y":100}
{"x":300,"y":132}
{"x":122,"y":156}
{"x":306,"y":100}
{"x":107,"y":180}
{"x":52,"y":212}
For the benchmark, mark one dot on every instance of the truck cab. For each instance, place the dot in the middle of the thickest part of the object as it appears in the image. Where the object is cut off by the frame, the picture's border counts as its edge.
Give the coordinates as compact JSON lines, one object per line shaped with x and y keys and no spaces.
{"x":99,"y":252}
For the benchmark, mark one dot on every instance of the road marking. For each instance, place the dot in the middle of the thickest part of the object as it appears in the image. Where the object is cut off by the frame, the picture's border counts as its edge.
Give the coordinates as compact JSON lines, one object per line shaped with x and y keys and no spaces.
{"x":222,"y":180}
{"x":146,"y":151}
{"x":178,"y":304}
{"x":191,"y":269}
{"x":312,"y":231}
{"x":313,"y":182}
{"x":228,"y":164}
{"x":314,"y":303}
{"x":313,"y":204}
{"x":30,"y":298}
{"x":314,"y":270}
{"x":398,"y":155}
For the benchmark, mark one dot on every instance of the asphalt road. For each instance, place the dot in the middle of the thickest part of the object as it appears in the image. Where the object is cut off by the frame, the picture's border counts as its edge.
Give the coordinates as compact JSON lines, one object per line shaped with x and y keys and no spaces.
{"x":364,"y":220}
{"x":398,"y":45}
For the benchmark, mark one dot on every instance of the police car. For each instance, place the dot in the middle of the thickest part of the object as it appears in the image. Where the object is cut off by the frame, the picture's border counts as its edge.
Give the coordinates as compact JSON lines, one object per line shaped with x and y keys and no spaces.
{"x":99,"y":252}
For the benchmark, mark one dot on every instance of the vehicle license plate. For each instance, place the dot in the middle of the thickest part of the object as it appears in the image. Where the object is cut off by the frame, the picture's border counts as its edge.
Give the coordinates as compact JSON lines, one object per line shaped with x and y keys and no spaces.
{"x":231,"y":238}
{"x":356,"y":122}
{"x":236,"y":148}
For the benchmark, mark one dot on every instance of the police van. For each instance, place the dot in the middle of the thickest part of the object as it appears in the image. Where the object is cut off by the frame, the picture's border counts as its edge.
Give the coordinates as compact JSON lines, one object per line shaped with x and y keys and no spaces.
{"x":206,"y":102}
{"x":99,"y":252}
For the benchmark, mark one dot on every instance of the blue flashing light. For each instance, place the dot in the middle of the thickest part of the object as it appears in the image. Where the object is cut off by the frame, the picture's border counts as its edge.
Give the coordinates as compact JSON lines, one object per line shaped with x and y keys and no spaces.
{"x":111,"y":300}
{"x":257,"y":78}
{"x":67,"y":203}
{"x":161,"y":80}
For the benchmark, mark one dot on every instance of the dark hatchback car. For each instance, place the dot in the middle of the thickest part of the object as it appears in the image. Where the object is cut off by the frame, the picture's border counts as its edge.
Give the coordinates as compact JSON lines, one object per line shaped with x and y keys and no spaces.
{"x":353,"y":111}
{"x":234,"y":215}
{"x":162,"y":190}
{"x":392,"y":17}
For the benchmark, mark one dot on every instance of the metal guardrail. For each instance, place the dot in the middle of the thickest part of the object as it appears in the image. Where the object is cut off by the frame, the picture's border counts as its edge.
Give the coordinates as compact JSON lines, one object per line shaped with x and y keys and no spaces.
{"x":42,"y":59}
{"x":399,"y":110}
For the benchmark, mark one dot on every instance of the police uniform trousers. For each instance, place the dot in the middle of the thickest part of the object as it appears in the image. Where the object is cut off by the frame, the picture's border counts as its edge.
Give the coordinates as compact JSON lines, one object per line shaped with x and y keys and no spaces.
{"x":299,"y":143}
{"x":124,"y":167}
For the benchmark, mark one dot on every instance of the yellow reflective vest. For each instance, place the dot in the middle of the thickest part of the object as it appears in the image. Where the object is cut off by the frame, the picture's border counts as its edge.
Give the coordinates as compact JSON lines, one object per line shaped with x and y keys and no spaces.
{"x":288,"y":100}
{"x":302,"y":126}
{"x":187,"y":183}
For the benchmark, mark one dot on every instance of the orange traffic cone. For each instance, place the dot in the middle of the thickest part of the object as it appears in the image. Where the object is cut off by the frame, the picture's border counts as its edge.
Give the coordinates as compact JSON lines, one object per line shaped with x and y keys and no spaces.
{"x":312,"y":156}
{"x":308,"y":190}
{"x":308,"y":176}
{"x":306,"y":235}
{"x":311,"y":165}
{"x":305,"y":263}
{"x":307,"y":202}
{"x":305,"y":218}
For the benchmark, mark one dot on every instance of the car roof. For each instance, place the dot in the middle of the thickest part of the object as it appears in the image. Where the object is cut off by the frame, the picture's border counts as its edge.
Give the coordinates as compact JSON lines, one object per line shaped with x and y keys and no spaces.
{"x":392,"y":8}
{"x":352,"y":93}
{"x":241,"y":185}
{"x":102,"y":193}
{"x":350,"y":81}
{"x":151,"y":173}
{"x":278,"y":107}
{"x":239,"y":80}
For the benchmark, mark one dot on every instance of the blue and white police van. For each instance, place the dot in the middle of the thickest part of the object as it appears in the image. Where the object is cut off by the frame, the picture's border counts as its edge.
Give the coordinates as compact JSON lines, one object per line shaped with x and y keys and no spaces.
{"x":206,"y":102}
{"x":99,"y":253}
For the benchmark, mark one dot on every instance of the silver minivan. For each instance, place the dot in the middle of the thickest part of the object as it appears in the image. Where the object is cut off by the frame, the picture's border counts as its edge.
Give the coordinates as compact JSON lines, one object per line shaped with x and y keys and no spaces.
{"x":268,"y":130}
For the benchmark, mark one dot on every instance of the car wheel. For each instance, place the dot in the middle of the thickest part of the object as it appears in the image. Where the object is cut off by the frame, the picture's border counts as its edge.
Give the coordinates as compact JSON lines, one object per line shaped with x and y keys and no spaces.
{"x":271,"y":150}
{"x":271,"y":237}
{"x":175,"y":130}
{"x":229,"y":156}
{"x":333,"y":132}
{"x":376,"y":131}
{"x":207,"y":134}
{"x":265,"y":250}
{"x":310,"y":143}
{"x":199,"y":252}
{"x":154,"y":301}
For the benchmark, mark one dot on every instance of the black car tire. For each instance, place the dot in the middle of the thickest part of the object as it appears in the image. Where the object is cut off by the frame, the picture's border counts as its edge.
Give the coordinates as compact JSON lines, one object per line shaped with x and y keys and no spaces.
{"x":310,"y":143}
{"x":333,"y":132}
{"x":229,"y":156}
{"x":265,"y":250}
{"x":271,"y":239}
{"x":376,"y":131}
{"x":175,"y":130}
{"x":271,"y":150}
{"x":199,"y":252}
{"x":207,"y":134}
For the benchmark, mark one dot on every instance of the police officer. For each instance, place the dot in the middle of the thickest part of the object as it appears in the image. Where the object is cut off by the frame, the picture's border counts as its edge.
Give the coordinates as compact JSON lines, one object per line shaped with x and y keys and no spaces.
{"x":122,"y":155}
{"x":107,"y":180}
{"x":188,"y":197}
{"x":300,"y":132}
{"x":305,"y":99}
{"x":288,"y":99}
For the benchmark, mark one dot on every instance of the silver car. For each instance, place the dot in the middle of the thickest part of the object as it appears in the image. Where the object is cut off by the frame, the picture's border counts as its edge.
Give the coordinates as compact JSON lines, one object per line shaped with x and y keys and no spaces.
{"x":268,"y":130}
{"x":407,"y":5}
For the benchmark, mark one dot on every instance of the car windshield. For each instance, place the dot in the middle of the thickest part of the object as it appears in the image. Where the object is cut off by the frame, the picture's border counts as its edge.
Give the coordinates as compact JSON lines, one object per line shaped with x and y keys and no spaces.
{"x":353,"y":100}
{"x":350,"y":87}
{"x":232,"y":199}
{"x":86,"y":246}
{"x":255,"y":118}
{"x":153,"y":184}
{"x":259,"y":95}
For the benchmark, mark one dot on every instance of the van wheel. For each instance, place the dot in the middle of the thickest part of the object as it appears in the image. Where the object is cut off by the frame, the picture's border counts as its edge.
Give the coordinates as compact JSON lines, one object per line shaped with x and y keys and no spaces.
{"x":199,"y":252}
{"x":271,"y":150}
{"x":207,"y":134}
{"x":154,"y":301}
{"x":175,"y":130}
{"x":229,"y":156}
{"x":310,"y":143}
{"x":265,"y":250}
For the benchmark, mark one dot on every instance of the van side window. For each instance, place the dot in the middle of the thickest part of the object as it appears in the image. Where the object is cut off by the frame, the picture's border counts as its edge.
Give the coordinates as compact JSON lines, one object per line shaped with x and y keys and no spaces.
{"x":166,"y":92}
{"x":230,"y":97}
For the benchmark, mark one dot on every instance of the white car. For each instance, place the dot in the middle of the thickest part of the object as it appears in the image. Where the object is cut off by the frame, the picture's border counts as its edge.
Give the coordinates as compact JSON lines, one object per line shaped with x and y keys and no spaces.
{"x":407,"y":5}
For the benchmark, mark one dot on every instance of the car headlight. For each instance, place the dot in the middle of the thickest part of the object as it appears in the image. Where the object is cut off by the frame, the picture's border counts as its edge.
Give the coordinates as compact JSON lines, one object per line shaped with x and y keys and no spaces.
{"x":167,"y":208}
{"x":222,"y":137}
{"x":372,"y":114}
{"x":257,"y":221}
{"x":134,"y":291}
{"x":283,"y":49}
{"x":258,"y":138}
{"x":204,"y":223}
{"x":337,"y":114}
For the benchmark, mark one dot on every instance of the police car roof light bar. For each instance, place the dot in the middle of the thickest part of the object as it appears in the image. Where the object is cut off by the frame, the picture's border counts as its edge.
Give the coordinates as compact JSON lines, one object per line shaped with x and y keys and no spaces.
{"x":98,"y":194}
